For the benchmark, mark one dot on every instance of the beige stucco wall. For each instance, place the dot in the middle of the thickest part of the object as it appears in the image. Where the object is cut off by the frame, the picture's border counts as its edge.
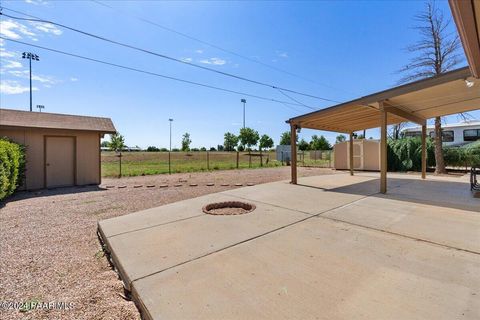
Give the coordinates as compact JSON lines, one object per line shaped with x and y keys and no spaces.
{"x":87,"y":154}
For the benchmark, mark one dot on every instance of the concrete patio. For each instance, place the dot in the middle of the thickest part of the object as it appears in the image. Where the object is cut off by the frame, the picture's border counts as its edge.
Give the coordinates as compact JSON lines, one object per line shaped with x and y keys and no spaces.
{"x":331,"y":247}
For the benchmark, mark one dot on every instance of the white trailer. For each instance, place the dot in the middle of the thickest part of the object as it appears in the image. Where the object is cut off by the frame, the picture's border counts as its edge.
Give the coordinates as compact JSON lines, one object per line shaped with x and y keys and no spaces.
{"x":455,"y":134}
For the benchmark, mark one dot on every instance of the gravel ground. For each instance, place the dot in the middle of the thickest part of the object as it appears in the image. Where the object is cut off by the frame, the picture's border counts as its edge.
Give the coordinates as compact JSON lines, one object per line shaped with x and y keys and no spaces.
{"x":49,"y":250}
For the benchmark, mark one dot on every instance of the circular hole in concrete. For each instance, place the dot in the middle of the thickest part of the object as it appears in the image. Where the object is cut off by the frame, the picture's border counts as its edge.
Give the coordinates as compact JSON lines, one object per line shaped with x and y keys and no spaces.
{"x":228,"y":208}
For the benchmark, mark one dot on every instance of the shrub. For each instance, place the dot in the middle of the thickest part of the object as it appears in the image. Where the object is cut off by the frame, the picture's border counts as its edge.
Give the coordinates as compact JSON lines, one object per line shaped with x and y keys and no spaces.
{"x":467,"y":155}
{"x":473,"y":153}
{"x":152,"y":149}
{"x":12,"y":167}
{"x":406,"y":154}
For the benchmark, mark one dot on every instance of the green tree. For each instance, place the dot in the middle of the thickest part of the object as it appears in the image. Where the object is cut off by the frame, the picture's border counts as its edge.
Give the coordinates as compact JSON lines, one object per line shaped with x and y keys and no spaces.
{"x":248,"y":137}
{"x":303,"y":145}
{"x":265,"y":142}
{"x":152,"y":149}
{"x":117,"y":142}
{"x":285,"y":138}
{"x":186,"y":141}
{"x":319,"y":143}
{"x":340,"y":138}
{"x":104,"y":144}
{"x":230,"y":141}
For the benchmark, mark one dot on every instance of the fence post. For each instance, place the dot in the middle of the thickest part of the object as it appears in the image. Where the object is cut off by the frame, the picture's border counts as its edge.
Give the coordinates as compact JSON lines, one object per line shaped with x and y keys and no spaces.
{"x":238,"y":157}
{"x":169,"y":164}
{"x":120,"y":164}
{"x":208,"y":161}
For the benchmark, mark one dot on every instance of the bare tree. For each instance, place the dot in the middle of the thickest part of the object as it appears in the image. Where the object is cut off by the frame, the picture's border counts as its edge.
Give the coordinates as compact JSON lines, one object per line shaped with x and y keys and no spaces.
{"x":396,"y":129}
{"x":436,"y":52}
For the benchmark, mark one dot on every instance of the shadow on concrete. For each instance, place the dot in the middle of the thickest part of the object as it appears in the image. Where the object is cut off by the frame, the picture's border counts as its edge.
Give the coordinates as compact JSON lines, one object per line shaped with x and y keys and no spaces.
{"x":450,"y":194}
{"x":21,"y":195}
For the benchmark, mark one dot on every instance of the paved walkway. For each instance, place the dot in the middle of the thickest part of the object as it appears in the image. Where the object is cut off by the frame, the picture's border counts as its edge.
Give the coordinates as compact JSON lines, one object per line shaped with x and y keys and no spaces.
{"x":329,"y":248}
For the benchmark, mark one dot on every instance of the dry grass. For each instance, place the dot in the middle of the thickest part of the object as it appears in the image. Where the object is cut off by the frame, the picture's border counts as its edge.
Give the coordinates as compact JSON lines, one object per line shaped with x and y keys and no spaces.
{"x":48,"y":245}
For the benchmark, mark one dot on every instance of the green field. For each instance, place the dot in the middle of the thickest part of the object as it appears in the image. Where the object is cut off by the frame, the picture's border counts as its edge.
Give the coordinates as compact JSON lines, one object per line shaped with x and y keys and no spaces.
{"x":148,"y":163}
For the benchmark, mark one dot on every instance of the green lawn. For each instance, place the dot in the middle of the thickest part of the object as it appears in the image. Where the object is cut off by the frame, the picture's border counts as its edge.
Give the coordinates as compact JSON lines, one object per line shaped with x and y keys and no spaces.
{"x":148,"y":163}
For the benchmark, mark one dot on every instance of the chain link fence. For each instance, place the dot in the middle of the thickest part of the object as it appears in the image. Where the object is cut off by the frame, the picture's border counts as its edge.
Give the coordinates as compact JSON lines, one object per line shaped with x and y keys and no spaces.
{"x":146,"y":163}
{"x":139,"y":163}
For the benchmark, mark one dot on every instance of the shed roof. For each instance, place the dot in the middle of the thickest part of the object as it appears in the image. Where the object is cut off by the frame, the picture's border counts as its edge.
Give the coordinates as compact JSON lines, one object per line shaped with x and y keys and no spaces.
{"x":26,"y":119}
{"x":417,"y":101}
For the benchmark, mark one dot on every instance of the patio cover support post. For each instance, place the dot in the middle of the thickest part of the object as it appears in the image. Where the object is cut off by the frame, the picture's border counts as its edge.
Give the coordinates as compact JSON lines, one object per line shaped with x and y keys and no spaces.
{"x":293,"y":154}
{"x":424,"y":151}
{"x":350,"y":157}
{"x":383,"y":149}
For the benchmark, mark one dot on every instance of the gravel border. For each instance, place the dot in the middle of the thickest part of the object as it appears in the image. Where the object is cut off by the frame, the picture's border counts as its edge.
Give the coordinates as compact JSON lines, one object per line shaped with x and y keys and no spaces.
{"x":49,"y":250}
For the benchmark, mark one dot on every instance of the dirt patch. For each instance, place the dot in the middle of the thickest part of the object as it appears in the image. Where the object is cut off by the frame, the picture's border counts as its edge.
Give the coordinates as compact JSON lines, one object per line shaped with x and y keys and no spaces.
{"x":49,"y":249}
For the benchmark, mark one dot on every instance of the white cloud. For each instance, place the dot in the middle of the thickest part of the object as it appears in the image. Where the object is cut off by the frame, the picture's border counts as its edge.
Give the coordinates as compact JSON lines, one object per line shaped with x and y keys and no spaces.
{"x":14,"y":30}
{"x":46,"y":27}
{"x":37,"y":2}
{"x":282,"y":54}
{"x":11,"y":64}
{"x":6,"y":54}
{"x":24,"y":74}
{"x":186,"y":59}
{"x":2,"y":42}
{"x":43,"y":79}
{"x":73,"y":79}
{"x":13,"y":87}
{"x":200,"y":51}
{"x":214,"y":61}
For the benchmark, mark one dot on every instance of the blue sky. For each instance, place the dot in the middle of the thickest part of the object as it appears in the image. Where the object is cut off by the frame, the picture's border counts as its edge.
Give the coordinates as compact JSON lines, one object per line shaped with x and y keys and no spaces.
{"x":344,"y":49}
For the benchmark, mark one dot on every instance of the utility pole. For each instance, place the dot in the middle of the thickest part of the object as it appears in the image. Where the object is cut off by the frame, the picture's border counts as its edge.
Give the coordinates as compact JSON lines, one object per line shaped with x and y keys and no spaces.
{"x":243,"y":101}
{"x":170,"y":150}
{"x":40,"y":107}
{"x":30,"y":56}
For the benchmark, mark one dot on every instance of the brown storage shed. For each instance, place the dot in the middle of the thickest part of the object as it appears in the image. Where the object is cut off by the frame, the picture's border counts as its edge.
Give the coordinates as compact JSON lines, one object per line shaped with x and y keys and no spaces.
{"x":61,"y":150}
{"x":366,"y":155}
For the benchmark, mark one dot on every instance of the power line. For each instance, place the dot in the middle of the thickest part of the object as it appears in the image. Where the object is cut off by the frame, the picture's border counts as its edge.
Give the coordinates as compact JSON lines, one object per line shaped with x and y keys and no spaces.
{"x":163,"y":55}
{"x":151,"y":73}
{"x":293,"y":99}
{"x":212,"y":45}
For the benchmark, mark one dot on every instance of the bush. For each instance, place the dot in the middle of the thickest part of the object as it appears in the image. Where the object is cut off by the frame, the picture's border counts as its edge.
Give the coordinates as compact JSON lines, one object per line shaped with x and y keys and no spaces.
{"x":473,"y":153}
{"x":406,"y":154}
{"x":152,"y":149}
{"x":465,"y":156}
{"x":12,"y":167}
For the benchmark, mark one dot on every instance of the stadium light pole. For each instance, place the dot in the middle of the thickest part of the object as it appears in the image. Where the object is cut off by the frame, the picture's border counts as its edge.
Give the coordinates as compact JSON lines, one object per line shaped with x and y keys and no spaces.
{"x":243,"y":101}
{"x":170,"y":150}
{"x":30,"y":56}
{"x":40,"y":107}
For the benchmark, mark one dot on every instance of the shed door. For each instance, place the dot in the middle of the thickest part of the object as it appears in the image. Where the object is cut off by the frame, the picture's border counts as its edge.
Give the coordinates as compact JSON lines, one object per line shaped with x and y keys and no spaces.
{"x":60,"y":161}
